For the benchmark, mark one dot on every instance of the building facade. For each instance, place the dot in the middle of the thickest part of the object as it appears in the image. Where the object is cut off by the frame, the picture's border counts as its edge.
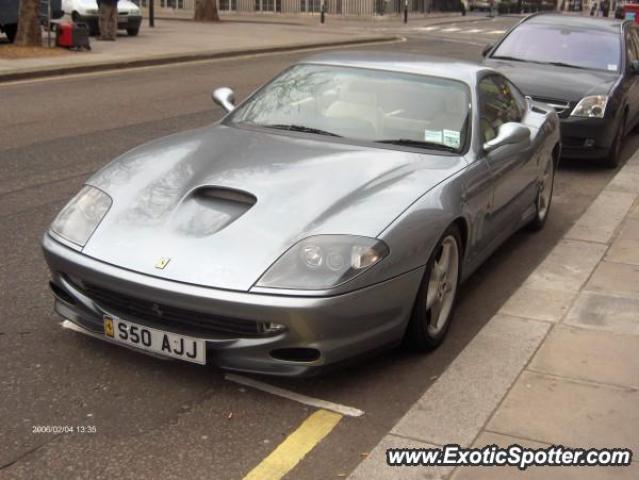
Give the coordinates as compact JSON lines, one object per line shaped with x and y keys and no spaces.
{"x":333,"y":7}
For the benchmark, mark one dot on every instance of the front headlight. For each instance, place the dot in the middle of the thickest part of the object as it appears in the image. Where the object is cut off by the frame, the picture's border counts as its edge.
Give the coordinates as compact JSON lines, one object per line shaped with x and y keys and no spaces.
{"x":591,"y":107}
{"x":323,"y":261}
{"x":81,"y":216}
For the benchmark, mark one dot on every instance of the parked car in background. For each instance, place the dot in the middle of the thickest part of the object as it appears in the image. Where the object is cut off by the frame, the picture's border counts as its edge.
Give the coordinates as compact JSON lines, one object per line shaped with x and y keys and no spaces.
{"x":9,"y":15}
{"x":586,"y":68}
{"x":333,"y":213}
{"x":479,"y":5}
{"x":513,"y":6}
{"x":86,"y":11}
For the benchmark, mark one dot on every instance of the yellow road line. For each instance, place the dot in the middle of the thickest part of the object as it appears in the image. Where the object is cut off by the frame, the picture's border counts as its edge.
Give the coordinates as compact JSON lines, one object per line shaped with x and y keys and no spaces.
{"x":295,"y":447}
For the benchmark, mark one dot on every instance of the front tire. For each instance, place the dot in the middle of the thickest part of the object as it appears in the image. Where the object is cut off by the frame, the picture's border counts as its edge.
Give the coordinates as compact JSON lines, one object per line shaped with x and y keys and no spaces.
{"x":544,"y":196}
{"x":614,"y":154}
{"x":437,"y":295}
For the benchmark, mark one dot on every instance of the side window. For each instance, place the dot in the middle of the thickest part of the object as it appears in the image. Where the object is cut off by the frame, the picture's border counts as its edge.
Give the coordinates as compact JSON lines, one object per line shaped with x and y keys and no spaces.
{"x":497,"y":105}
{"x":630,"y":49}
{"x":632,"y":46}
{"x":520,"y":100}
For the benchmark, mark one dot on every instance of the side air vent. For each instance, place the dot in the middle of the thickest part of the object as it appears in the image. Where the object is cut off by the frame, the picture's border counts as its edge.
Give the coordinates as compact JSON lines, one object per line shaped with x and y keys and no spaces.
{"x":301,"y":355}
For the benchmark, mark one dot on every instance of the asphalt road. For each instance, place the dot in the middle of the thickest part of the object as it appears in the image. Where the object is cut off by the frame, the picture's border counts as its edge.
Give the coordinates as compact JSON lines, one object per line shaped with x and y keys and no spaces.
{"x":156,"y":419}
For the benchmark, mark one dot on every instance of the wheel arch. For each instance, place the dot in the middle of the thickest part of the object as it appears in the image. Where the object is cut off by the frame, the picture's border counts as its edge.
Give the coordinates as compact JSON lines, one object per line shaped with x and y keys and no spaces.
{"x":462,"y":225}
{"x":556,"y":153}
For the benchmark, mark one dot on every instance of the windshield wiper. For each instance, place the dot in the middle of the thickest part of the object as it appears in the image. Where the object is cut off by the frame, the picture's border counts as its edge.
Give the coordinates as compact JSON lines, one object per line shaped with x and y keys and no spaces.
{"x":505,"y":57}
{"x":539,"y":62}
{"x":407,"y":142}
{"x":300,"y":128}
{"x":562,"y":64}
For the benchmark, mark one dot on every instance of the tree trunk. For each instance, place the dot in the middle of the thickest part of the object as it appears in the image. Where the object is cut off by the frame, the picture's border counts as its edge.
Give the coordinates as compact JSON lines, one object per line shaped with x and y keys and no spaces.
{"x":206,"y":11}
{"x":29,"y":33}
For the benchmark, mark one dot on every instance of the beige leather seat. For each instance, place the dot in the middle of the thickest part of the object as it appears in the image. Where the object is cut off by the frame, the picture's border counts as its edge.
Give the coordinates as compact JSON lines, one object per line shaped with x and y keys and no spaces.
{"x":358,"y":101}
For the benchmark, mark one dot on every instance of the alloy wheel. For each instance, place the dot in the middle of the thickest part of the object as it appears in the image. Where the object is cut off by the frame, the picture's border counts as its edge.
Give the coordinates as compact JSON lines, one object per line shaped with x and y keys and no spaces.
{"x":442,"y":285}
{"x":544,"y":196}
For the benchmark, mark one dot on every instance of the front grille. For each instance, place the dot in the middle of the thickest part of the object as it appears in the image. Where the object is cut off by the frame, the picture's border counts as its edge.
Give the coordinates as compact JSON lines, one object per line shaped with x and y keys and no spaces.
{"x":166,"y":317}
{"x":561,"y":106}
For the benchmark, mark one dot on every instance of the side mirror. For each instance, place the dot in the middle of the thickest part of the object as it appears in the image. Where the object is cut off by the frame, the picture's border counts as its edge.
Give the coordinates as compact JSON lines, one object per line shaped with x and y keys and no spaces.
{"x":529,"y":101}
{"x":225,"y":98}
{"x":486,"y":49}
{"x":509,"y":133}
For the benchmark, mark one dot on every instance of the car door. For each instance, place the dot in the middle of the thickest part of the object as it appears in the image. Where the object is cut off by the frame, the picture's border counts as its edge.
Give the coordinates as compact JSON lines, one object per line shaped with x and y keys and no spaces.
{"x":511,"y":166}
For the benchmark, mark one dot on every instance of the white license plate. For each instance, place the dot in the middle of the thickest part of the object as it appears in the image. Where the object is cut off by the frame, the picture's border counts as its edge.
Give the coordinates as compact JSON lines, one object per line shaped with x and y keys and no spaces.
{"x":153,"y":340}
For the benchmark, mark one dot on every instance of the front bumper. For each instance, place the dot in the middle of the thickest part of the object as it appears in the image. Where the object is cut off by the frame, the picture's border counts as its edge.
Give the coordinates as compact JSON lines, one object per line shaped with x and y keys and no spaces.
{"x":587,"y":137}
{"x":130,"y":22}
{"x":338,"y":327}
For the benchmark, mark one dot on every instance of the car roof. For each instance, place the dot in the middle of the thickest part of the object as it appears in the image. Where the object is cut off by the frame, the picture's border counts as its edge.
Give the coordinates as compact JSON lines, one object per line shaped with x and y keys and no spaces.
{"x":402,"y":62}
{"x":593,"y":24}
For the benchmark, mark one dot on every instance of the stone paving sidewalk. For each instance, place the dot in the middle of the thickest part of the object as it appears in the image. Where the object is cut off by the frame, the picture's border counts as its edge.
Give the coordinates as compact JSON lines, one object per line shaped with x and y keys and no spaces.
{"x":557,"y":365}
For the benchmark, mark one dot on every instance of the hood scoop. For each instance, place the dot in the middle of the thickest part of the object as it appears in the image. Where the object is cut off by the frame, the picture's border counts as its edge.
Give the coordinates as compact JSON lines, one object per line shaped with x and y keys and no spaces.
{"x":207,"y":210}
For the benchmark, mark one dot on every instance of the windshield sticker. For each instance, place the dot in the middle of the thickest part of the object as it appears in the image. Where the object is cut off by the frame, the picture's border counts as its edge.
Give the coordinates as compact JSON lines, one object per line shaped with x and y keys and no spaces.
{"x":451,"y":138}
{"x":612,"y":67}
{"x":434,"y":136}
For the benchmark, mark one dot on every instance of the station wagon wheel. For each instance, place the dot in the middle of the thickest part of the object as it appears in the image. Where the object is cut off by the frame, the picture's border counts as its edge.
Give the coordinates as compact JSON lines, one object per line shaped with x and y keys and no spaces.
{"x":612,"y":159}
{"x":435,"y":302}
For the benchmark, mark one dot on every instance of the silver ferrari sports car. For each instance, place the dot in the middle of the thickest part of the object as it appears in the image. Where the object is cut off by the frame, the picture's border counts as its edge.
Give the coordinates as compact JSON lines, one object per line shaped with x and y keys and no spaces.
{"x":332,"y":213}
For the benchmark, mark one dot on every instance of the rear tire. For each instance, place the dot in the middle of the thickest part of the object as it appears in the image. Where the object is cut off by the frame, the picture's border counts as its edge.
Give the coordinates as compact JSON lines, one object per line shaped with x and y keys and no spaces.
{"x":435,"y":303}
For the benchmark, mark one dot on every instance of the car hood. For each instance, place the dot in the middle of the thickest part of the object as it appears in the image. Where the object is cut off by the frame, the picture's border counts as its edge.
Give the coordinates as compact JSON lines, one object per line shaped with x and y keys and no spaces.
{"x":126,"y":5}
{"x":224,"y":203}
{"x":551,"y":82}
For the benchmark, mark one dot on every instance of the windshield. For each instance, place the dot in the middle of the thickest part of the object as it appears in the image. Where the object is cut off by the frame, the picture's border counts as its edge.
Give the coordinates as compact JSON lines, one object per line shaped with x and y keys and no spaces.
{"x":363,"y":104}
{"x":556,"y":44}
